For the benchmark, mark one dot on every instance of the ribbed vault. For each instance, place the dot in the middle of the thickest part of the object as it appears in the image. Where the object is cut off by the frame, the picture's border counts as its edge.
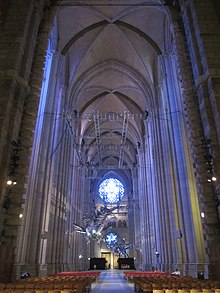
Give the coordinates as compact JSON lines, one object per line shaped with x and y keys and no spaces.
{"x":110,"y":66}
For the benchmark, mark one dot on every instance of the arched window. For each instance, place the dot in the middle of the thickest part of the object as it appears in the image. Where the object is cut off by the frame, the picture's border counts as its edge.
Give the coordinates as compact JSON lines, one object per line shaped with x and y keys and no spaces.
{"x":111,"y":190}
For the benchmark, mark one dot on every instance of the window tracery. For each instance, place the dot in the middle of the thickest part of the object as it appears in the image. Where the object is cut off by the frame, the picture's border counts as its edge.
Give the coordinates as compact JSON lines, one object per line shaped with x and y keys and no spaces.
{"x":111,"y":190}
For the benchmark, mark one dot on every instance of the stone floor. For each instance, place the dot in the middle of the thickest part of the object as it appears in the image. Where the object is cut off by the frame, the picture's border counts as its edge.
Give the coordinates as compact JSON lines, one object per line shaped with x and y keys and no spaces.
{"x":112,"y":281}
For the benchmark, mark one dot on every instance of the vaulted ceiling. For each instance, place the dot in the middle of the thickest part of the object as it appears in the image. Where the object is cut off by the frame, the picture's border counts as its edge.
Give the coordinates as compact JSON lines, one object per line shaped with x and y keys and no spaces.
{"x":111,"y":49}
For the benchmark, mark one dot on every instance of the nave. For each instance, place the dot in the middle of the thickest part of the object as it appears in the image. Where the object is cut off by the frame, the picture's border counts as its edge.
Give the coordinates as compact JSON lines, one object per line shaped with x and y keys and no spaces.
{"x":109,"y":138}
{"x":111,"y":281}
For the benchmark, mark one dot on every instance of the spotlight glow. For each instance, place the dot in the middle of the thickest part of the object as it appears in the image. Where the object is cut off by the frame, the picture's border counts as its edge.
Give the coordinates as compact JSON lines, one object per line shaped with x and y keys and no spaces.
{"x":9,"y":182}
{"x":202,"y":215}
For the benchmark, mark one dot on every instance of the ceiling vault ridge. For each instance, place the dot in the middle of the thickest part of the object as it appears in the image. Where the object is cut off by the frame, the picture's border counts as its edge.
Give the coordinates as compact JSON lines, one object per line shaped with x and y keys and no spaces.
{"x":91,"y":45}
{"x":139,"y":114}
{"x":110,"y":90}
{"x":122,"y":87}
{"x":94,"y":11}
{"x":81,"y":33}
{"x":116,"y":91}
{"x":78,"y":86}
{"x":91,"y":100}
{"x":136,"y":51}
{"x":121,"y":95}
{"x":106,"y":23}
{"x":142,"y":5}
{"x":141,"y":33}
{"x":97,"y":87}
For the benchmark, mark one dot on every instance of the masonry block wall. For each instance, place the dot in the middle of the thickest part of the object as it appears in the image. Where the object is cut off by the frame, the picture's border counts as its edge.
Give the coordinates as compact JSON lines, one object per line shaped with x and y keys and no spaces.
{"x":201,"y":21}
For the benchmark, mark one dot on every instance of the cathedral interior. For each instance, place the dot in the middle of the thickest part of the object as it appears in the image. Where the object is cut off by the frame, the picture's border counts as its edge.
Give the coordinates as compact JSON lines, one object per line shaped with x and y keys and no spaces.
{"x":109,"y":113}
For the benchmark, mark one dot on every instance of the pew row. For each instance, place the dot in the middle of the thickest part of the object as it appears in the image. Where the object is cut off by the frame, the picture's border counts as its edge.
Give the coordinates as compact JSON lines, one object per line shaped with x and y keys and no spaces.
{"x":73,"y":282}
{"x":160,"y":282}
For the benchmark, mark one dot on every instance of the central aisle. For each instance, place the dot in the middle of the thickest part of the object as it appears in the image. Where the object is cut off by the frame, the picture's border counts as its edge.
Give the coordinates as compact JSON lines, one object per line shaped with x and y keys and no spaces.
{"x":112,"y":281}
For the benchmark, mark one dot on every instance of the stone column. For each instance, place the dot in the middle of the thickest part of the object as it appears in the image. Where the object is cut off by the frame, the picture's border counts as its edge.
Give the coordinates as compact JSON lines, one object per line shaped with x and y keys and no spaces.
{"x":162,"y":182}
{"x":134,"y":206}
{"x":180,"y":171}
{"x":145,"y":214}
{"x":195,"y":135}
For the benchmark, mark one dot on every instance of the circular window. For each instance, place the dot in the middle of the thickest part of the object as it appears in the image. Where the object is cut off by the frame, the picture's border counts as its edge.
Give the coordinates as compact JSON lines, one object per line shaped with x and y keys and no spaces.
{"x":111,"y":190}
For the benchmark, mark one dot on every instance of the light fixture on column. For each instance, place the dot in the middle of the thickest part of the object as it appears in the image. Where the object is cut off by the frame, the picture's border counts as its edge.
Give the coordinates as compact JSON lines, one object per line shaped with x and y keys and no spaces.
{"x":13,"y":164}
{"x":212,"y":178}
{"x":209,"y":160}
{"x":157,"y":256}
{"x":9,"y":182}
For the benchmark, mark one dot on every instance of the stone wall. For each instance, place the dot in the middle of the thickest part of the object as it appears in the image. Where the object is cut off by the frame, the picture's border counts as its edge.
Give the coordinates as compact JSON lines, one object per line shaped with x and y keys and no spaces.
{"x":202,"y":30}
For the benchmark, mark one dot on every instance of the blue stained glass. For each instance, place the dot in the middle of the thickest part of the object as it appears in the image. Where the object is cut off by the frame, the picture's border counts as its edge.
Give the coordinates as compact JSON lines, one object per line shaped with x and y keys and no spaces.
{"x":111,"y":190}
{"x":111,"y":238}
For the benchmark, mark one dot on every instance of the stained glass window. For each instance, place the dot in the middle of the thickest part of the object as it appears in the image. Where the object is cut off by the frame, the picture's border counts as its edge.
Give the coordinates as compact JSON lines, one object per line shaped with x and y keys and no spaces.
{"x":111,"y":190}
{"x":111,"y":238}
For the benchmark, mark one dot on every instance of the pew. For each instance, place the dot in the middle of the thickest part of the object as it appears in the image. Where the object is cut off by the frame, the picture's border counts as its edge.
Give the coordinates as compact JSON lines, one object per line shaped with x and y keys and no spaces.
{"x":66,"y":282}
{"x":161,"y":282}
